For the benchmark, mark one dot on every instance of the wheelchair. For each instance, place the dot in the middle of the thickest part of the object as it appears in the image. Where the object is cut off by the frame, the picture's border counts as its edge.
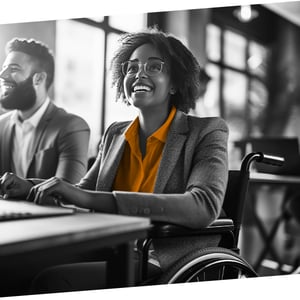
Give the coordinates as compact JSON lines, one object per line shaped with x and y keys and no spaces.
{"x":211,"y":263}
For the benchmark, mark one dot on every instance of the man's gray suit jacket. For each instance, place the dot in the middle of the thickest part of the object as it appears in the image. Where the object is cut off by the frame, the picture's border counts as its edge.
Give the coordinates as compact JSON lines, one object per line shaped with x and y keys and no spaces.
{"x":60,"y":148}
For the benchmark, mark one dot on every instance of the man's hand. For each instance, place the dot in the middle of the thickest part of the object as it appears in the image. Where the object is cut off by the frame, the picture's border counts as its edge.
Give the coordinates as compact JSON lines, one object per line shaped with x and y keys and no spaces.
{"x":12,"y":186}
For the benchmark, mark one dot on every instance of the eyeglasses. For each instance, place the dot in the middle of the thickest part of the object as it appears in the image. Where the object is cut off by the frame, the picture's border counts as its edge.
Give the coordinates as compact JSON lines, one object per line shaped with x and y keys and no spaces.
{"x":151,"y":68}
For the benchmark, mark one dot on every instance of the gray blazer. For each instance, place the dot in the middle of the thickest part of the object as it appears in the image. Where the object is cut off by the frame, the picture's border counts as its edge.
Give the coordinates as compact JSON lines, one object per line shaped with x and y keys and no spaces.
{"x":61,"y":143}
{"x":191,"y":179}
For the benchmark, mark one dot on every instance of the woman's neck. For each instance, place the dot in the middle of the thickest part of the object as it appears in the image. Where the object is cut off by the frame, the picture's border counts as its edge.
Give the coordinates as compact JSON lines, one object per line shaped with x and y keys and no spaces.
{"x":150,"y":121}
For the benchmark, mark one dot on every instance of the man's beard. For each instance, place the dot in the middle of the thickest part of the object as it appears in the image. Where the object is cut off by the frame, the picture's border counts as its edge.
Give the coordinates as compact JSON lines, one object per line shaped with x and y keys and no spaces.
{"x":22,"y":97}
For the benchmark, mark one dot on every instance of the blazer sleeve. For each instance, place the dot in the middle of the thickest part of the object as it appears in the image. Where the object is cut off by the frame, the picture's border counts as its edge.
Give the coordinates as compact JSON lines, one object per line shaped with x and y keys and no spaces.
{"x":73,"y":143}
{"x":89,"y":181}
{"x":201,"y":202}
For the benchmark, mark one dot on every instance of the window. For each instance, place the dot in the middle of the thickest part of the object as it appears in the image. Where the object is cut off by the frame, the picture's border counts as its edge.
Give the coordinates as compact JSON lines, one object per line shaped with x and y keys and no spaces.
{"x":237,"y":91}
{"x":212,"y":95}
{"x":234,"y":50}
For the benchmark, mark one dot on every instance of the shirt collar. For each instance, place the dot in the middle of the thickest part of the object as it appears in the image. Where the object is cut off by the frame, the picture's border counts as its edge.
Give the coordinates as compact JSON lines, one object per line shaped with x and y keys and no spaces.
{"x":160,"y":134}
{"x":35,"y":118}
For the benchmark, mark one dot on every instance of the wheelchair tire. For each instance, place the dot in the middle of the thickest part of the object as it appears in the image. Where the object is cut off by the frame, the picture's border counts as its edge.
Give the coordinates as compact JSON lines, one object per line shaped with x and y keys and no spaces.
{"x":214,"y":263}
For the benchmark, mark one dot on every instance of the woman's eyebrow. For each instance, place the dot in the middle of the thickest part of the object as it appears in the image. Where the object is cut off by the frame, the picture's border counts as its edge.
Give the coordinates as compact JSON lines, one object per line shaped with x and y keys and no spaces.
{"x":155,"y":57}
{"x":151,"y":57}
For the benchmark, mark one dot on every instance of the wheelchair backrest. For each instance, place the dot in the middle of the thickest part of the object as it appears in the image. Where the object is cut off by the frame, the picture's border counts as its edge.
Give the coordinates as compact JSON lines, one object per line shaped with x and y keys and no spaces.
{"x":235,"y":197}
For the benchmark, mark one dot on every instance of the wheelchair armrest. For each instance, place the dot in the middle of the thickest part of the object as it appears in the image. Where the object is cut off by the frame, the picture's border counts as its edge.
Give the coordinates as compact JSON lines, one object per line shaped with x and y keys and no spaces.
{"x":160,"y":230}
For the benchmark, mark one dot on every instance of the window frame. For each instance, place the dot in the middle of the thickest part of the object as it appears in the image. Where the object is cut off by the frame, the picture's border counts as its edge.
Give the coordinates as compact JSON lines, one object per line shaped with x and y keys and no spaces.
{"x":222,"y":66}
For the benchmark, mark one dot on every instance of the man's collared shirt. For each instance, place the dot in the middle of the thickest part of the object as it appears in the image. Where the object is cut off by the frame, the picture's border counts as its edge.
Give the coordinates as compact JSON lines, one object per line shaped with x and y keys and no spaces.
{"x":135,"y":173}
{"x":22,"y":151}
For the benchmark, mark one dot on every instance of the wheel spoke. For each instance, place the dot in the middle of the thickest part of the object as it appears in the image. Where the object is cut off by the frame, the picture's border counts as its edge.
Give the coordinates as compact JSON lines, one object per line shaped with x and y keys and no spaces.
{"x":222,"y":272}
{"x":209,"y":264}
{"x":218,"y":270}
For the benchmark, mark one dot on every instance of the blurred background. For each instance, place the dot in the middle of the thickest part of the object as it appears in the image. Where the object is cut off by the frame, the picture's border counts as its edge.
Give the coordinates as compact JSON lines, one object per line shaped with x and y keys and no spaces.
{"x":251,"y":55}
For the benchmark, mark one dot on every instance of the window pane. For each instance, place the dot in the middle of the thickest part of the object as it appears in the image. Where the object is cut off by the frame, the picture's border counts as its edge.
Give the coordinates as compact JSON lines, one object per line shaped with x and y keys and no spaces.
{"x":234,"y":50}
{"x":212,"y":96}
{"x":258,"y":100}
{"x":235,"y":88}
{"x":112,"y":46}
{"x":128,"y":22}
{"x":257,"y":61}
{"x":79,"y":73}
{"x":213,"y":42}
{"x":115,"y":110}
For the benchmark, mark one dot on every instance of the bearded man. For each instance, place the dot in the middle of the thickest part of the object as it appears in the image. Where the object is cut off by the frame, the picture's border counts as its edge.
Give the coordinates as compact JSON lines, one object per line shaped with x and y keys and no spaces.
{"x":37,"y":139}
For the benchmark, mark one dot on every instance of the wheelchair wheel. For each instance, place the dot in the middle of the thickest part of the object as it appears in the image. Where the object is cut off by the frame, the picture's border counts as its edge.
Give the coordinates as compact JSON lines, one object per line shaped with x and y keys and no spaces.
{"x":214,"y":263}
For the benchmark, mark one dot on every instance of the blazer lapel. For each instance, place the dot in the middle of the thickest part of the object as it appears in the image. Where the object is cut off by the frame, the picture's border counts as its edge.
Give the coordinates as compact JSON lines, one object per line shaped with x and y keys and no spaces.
{"x":111,"y":162}
{"x":6,"y":146}
{"x":48,"y":115}
{"x":174,"y":144}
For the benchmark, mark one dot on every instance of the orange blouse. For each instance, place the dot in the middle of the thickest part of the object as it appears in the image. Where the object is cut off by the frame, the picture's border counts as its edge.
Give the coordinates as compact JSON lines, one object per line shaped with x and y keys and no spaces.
{"x":137,"y":174}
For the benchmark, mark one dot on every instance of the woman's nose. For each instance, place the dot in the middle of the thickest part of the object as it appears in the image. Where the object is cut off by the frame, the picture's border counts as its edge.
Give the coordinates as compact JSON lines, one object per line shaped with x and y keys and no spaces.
{"x":141,"y":72}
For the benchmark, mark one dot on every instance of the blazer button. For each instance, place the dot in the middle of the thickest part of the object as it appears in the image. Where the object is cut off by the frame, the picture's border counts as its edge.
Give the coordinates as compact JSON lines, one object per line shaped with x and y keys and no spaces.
{"x":146,"y":211}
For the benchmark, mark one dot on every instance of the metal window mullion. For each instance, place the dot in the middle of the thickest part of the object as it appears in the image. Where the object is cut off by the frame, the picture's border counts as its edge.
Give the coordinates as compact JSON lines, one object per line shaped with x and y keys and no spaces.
{"x":221,"y":90}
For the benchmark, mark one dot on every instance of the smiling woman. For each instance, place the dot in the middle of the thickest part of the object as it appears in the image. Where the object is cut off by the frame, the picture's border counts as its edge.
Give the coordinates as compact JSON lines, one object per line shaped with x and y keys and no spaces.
{"x":148,"y":91}
{"x":168,"y":55}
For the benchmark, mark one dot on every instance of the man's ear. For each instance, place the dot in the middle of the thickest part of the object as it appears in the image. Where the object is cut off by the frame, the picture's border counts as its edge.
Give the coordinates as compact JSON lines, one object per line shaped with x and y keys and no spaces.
{"x":39,"y":78}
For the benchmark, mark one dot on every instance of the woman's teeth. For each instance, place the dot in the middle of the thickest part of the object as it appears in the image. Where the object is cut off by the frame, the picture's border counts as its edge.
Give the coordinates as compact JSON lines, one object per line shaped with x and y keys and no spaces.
{"x":141,"y":88}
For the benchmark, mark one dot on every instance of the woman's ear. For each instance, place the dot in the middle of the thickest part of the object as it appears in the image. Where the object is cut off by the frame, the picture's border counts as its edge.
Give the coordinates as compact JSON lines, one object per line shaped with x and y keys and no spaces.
{"x":172,"y":91}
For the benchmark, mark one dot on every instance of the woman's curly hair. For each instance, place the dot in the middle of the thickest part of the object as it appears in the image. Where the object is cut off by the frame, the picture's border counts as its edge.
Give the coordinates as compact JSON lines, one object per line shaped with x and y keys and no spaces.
{"x":183,"y":66}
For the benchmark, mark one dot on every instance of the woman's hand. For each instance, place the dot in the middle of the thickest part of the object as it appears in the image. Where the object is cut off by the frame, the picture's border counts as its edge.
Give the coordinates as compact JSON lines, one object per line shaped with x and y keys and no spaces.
{"x":12,"y":186}
{"x":53,"y":191}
